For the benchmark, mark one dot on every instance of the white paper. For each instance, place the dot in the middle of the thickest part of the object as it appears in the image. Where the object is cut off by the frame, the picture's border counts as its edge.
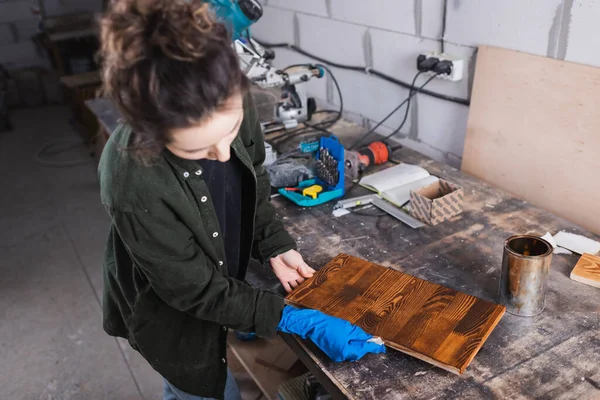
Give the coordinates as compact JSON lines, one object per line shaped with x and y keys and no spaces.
{"x":560,"y":250}
{"x":401,"y":194}
{"x":340,"y":212}
{"x":550,"y":239}
{"x":393,"y":177}
{"x":577,"y":243}
{"x":557,"y":250}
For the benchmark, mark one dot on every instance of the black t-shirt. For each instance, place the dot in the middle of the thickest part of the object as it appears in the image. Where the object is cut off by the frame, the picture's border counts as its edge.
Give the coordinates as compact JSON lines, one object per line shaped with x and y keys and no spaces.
{"x":224,"y":181}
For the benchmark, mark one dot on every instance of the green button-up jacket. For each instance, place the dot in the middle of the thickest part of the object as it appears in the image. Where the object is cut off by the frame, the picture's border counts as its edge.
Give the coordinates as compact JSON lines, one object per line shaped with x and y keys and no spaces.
{"x":166,"y":285}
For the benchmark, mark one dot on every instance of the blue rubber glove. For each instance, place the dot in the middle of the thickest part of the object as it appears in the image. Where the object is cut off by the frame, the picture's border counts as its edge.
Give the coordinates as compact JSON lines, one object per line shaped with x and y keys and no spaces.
{"x":339,"y":339}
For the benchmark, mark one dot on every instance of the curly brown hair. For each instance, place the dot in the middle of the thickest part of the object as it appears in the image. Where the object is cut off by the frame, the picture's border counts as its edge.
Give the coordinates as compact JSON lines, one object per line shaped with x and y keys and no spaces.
{"x":167,"y":64}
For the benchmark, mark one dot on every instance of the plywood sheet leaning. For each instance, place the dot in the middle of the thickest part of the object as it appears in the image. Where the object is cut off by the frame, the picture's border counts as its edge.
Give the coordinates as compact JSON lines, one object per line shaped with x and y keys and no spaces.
{"x":587,"y":270}
{"x":431,"y":322}
{"x":533,"y":131}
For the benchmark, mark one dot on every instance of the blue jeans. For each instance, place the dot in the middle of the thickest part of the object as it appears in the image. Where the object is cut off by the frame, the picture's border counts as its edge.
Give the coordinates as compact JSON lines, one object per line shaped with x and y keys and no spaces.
{"x":232,"y":392}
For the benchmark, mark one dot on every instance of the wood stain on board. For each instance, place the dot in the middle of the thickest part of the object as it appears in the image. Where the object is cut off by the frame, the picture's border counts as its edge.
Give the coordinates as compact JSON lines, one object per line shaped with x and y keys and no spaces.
{"x":428,"y":321}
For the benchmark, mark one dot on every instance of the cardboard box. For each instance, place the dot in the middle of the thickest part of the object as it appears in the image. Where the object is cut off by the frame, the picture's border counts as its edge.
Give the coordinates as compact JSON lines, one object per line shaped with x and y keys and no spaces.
{"x":437,"y":202}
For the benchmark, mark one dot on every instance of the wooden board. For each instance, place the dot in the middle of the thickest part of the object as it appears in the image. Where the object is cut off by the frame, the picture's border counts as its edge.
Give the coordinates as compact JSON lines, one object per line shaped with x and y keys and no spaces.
{"x":428,"y":321}
{"x":533,"y":131}
{"x":587,"y":270}
{"x":253,"y":354}
{"x":84,"y":79}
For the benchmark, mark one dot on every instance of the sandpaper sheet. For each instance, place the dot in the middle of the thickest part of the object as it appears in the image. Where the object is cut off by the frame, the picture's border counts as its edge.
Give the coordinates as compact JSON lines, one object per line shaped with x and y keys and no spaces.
{"x":587,"y":270}
{"x":431,"y":322}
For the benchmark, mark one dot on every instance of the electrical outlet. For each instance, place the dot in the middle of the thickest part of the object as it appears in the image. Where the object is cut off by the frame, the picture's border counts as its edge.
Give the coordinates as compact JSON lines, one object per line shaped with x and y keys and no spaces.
{"x":458,"y":66}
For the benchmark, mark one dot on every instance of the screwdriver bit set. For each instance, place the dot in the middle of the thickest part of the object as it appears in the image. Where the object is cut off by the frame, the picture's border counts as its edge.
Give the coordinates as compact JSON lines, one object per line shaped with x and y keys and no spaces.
{"x":329,"y":175}
{"x":327,"y":167}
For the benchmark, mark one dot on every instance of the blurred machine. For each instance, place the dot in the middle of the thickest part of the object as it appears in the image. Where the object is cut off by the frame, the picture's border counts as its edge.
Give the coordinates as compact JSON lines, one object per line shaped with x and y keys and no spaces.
{"x":294,"y":105}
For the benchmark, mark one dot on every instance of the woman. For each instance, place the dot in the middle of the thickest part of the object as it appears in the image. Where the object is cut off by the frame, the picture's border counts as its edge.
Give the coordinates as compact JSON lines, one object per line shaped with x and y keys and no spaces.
{"x":183,"y":182}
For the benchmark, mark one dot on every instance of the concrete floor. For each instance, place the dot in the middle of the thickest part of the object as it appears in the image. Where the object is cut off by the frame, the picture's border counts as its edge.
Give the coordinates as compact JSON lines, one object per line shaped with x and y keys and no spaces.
{"x":52,"y":235}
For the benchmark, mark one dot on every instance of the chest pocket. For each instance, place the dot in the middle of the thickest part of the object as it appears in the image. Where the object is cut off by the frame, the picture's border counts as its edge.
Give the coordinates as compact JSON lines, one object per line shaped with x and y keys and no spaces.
{"x":250,"y":149}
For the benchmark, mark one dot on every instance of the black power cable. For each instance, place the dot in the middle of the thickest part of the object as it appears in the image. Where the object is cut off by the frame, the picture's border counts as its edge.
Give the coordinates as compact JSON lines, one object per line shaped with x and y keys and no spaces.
{"x":340,"y":95}
{"x":406,"y":112}
{"x":367,"y":71}
{"x":249,"y":37}
{"x":410,"y":96}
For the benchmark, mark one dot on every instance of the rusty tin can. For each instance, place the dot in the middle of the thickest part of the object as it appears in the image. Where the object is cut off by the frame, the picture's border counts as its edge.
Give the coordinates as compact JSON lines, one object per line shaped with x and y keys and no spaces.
{"x":525,"y":267}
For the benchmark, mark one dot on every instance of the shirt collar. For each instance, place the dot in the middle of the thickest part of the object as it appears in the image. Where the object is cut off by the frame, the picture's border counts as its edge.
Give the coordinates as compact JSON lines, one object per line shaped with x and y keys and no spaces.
{"x":187,"y":168}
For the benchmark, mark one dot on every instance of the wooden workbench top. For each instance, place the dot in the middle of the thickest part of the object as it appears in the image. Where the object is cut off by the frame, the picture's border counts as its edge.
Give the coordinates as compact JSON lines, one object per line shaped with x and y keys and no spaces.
{"x":553,"y":355}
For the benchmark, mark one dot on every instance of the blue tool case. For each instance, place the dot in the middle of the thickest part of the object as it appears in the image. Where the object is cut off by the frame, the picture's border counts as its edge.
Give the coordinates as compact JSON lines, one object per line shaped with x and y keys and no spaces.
{"x":329,"y":148}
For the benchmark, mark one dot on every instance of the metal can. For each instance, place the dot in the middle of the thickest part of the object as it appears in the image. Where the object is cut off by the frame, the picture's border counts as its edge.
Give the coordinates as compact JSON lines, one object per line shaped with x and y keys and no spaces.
{"x":525,"y":266}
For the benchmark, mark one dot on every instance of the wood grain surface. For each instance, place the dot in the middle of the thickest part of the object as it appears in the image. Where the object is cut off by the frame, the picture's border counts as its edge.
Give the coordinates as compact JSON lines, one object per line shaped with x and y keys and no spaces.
{"x":428,"y":321}
{"x":533,"y":131}
{"x":587,"y":270}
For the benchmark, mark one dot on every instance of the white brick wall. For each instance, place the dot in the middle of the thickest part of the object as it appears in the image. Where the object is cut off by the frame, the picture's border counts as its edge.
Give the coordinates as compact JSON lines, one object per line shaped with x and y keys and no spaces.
{"x":584,"y":33}
{"x":431,"y":18}
{"x":317,"y":7}
{"x":514,"y":24}
{"x":395,"y":53}
{"x":371,"y":98}
{"x":332,"y":39}
{"x":442,"y":124}
{"x":275,"y":20}
{"x":388,"y":35}
{"x":394,"y":15}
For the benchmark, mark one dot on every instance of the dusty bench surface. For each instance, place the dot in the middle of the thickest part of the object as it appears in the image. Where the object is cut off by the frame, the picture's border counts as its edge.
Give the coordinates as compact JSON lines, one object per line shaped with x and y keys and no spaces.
{"x":553,"y":355}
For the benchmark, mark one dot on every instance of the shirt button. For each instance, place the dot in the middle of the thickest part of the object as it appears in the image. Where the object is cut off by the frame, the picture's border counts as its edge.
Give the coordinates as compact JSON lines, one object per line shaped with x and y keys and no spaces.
{"x":186,"y":174}
{"x":199,"y":172}
{"x":224,"y":361}
{"x":203,"y":199}
{"x":215,"y":234}
{"x":221,"y":263}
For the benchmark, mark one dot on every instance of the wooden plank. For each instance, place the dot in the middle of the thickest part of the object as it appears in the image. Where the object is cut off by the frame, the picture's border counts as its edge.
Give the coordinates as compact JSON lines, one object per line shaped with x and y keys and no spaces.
{"x":267,"y":379}
{"x":533,"y":131}
{"x":464,"y":254}
{"x":587,"y":270}
{"x":431,"y":322}
{"x":86,"y":78}
{"x":312,"y":362}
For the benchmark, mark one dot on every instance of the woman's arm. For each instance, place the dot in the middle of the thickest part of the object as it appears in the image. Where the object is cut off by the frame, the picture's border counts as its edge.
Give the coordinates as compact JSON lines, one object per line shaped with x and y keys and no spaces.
{"x":180,"y":273}
{"x":270,"y":237}
{"x":272,"y":242}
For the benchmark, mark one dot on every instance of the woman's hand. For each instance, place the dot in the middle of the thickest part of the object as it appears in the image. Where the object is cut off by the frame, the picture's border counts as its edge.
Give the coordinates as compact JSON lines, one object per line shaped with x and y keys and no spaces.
{"x":290,"y":269}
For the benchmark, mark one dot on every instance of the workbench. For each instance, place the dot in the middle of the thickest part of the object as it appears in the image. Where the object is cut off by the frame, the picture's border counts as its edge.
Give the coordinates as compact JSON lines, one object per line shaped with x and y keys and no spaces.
{"x":553,"y":355}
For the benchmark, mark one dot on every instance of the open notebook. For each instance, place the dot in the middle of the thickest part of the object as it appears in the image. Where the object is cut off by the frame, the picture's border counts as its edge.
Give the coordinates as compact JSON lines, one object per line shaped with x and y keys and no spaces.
{"x":395,"y":184}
